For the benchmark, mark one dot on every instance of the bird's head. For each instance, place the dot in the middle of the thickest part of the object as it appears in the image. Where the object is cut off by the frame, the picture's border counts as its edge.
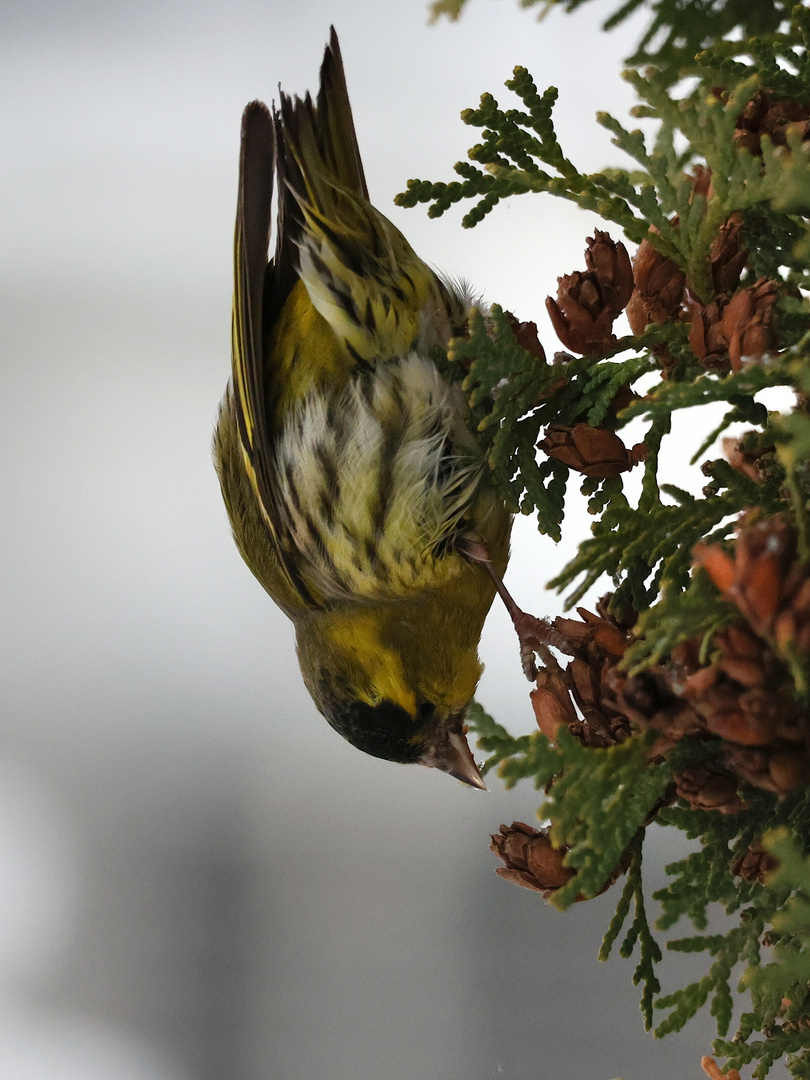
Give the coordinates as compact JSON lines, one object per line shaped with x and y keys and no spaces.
{"x":390,"y":692}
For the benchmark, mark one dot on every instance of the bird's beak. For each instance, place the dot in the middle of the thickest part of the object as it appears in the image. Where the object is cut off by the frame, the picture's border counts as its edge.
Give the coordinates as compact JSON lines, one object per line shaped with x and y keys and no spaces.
{"x":459,"y":762}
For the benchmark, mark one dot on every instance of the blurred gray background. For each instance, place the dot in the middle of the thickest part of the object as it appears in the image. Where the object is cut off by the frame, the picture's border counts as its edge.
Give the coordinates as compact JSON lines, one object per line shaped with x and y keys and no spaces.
{"x":198,"y":878}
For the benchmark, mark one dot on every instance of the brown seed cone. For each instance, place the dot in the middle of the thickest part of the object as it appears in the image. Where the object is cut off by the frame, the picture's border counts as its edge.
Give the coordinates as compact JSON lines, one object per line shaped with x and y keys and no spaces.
{"x":749,"y":718}
{"x":580,"y":320}
{"x":765,"y":114}
{"x":622,"y":399}
{"x":748,"y":322}
{"x":610,"y":264}
{"x":602,"y":723}
{"x":780,"y":771}
{"x":533,"y":862}
{"x":728,"y":256}
{"x":750,"y":764}
{"x":587,"y":303}
{"x":591,"y":451}
{"x":709,"y":786}
{"x":658,"y":292}
{"x":595,"y":632}
{"x":650,"y":702}
{"x":788,"y":768}
{"x":596,"y":643}
{"x":726,"y":330}
{"x":681,"y":698}
{"x":685,"y":662}
{"x":746,"y":698}
{"x":764,"y":579}
{"x":530,"y":859}
{"x":754,"y":864}
{"x":706,"y":338}
{"x":792,"y":625}
{"x":526,"y":336}
{"x":551,"y":701}
{"x":744,"y":659}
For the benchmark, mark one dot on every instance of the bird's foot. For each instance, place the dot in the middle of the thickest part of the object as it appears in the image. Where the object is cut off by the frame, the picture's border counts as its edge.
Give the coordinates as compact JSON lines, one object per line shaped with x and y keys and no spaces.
{"x":535,"y":635}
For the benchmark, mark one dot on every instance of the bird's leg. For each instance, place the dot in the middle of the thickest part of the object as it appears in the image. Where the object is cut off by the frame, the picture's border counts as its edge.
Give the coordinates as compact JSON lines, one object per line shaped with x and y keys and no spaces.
{"x":535,"y":635}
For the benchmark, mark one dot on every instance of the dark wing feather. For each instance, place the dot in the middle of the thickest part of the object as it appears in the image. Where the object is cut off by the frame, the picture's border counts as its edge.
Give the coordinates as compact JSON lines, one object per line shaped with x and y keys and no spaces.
{"x":337,"y":137}
{"x":311,"y":149}
{"x":317,"y":158}
{"x":250,"y":372}
{"x":251,"y":241}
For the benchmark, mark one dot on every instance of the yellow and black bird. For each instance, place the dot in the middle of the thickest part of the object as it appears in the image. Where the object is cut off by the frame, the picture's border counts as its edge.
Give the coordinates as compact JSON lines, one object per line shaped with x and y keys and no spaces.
{"x":356,"y":494}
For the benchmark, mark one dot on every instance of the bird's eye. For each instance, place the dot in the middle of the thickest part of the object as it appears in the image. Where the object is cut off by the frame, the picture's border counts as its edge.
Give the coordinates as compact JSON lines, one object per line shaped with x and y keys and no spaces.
{"x":426,"y":709}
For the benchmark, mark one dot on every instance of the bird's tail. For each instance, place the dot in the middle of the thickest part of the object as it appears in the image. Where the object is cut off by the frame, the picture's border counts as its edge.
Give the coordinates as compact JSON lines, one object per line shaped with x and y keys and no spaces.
{"x":319,"y":169}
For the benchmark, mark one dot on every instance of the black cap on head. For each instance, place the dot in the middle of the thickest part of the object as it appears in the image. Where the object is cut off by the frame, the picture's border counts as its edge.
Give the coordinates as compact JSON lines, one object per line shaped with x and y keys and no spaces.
{"x":387,"y":730}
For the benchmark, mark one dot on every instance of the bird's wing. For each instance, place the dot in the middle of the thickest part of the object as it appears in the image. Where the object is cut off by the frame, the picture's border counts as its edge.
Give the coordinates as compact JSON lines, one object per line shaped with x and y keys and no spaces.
{"x":251,"y":278}
{"x":344,"y":292}
{"x":269,"y":376}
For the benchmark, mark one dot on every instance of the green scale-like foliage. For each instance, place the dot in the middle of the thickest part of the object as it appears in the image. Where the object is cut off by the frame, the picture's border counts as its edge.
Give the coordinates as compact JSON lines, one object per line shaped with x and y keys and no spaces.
{"x":516,"y":143}
{"x":599,"y":806}
{"x":602,"y":801}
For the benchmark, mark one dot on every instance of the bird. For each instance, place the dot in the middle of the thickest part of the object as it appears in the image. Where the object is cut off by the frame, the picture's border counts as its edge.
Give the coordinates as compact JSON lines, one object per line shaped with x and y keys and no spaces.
{"x":356,"y":493}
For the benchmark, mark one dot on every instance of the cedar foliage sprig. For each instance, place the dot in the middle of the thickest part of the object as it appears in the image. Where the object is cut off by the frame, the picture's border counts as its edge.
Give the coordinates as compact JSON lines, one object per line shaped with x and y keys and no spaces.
{"x":593,"y":852}
{"x":639,"y":932}
{"x":685,"y":703}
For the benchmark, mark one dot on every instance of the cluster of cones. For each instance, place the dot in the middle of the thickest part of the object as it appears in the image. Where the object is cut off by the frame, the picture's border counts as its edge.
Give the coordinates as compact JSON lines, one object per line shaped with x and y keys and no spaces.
{"x":652,"y":289}
{"x":730,"y":324}
{"x":743,"y":700}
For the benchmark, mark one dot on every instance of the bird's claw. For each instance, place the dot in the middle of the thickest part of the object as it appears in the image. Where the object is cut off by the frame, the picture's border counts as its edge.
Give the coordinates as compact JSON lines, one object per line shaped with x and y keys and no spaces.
{"x":535,"y":636}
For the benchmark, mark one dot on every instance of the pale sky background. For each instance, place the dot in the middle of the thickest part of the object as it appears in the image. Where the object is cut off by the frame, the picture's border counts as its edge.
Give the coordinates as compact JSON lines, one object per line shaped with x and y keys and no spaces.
{"x":198,"y":879}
